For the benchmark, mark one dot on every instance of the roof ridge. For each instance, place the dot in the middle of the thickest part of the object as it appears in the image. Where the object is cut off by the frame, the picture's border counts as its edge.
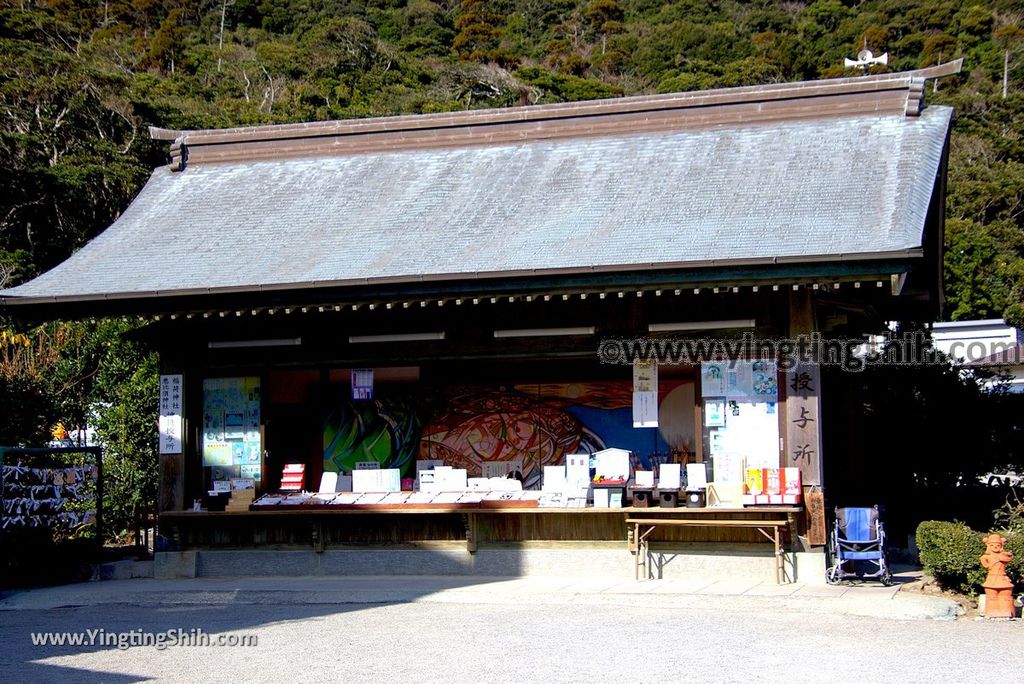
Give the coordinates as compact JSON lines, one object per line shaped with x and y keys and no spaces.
{"x":900,"y":93}
{"x":735,"y":95}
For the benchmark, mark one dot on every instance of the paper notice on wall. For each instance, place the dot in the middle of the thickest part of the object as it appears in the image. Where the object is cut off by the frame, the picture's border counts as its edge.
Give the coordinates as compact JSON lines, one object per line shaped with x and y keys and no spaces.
{"x":362,"y":384}
{"x":713,"y":379}
{"x":751,"y":380}
{"x":645,"y":376}
{"x":716,"y":442}
{"x":253,"y":471}
{"x":645,"y":409}
{"x":764,"y":380}
{"x":714,"y":412}
{"x":217,"y":455}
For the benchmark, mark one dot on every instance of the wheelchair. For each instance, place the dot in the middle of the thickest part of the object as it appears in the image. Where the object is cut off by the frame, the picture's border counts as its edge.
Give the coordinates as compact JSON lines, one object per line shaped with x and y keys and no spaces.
{"x":857,"y":547}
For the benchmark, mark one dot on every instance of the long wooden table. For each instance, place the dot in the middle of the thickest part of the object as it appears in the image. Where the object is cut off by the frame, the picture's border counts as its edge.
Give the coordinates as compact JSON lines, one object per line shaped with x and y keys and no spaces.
{"x":321,"y":526}
{"x":770,"y":528}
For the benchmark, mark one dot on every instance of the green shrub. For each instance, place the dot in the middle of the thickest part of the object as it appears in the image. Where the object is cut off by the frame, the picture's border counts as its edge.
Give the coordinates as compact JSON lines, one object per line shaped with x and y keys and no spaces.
{"x":950,"y":552}
{"x":1015,"y":568}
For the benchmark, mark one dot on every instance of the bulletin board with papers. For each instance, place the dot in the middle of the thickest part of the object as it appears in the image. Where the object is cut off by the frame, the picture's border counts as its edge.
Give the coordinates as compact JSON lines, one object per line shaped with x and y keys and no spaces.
{"x":741,"y":412}
{"x":231,"y":438}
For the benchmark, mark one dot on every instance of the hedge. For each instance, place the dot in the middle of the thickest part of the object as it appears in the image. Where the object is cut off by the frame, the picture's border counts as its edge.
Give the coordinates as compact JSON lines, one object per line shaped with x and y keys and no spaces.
{"x":951,"y":552}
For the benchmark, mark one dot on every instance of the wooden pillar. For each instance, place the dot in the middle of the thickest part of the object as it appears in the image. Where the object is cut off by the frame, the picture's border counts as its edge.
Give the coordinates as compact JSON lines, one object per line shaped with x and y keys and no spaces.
{"x":803,"y":418}
{"x":172,"y":482}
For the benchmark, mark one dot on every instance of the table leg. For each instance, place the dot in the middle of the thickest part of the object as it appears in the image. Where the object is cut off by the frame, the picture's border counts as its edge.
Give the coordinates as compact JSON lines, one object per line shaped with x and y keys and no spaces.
{"x":469,"y":522}
{"x":778,"y":557}
{"x":318,"y":537}
{"x":636,"y":557}
{"x":645,"y":549}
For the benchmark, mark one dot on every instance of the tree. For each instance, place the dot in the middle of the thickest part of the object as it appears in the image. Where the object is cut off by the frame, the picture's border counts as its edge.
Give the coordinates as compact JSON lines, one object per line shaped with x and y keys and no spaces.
{"x":224,"y":4}
{"x":167,"y":43}
{"x":71,"y":143}
{"x":341,"y":51}
{"x":1009,"y":35}
{"x":481,"y":31}
{"x":87,"y":375}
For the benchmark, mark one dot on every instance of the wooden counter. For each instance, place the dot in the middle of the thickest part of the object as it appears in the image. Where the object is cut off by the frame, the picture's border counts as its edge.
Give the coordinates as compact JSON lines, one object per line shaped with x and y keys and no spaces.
{"x":325,"y":527}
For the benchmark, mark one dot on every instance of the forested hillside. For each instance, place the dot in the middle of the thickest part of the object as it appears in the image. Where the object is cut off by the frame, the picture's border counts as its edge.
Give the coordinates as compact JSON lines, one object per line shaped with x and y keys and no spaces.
{"x":82,"y":80}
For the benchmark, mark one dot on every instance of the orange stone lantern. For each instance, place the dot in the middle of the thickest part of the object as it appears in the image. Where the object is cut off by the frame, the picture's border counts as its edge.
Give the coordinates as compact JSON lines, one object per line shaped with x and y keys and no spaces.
{"x":998,"y":587}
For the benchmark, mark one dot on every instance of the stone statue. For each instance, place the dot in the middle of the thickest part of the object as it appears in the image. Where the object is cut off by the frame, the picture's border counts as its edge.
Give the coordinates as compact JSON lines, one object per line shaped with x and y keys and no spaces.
{"x":998,"y":587}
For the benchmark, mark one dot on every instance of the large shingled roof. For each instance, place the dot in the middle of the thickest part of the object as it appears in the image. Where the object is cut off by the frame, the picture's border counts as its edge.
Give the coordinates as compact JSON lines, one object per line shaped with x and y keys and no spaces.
{"x":790,"y":179}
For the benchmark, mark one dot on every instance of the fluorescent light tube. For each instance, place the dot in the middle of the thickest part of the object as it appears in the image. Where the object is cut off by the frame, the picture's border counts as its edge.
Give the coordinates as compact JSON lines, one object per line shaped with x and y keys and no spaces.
{"x":403,"y":337}
{"x":242,"y":344}
{"x":701,"y":325}
{"x":545,"y":332}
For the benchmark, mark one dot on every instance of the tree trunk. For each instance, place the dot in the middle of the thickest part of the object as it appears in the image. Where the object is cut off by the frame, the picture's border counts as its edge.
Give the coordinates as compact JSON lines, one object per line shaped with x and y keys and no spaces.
{"x":220,"y":36}
{"x":1006,"y":72}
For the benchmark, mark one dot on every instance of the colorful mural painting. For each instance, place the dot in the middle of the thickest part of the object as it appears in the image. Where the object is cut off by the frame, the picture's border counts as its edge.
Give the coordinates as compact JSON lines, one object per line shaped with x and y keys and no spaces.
{"x":385,"y":430}
{"x":531,"y":425}
{"x":501,"y":426}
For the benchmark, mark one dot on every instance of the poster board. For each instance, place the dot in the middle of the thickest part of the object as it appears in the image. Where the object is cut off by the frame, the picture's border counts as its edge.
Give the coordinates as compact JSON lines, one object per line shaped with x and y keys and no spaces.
{"x":752,"y":430}
{"x":362,"y":384}
{"x":231,"y":439}
{"x":741,"y":412}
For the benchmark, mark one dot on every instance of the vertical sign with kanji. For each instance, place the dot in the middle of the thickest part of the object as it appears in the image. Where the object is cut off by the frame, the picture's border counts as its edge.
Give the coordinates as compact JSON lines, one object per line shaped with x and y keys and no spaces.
{"x":170,"y":414}
{"x":803,"y":421}
{"x":645,"y":394}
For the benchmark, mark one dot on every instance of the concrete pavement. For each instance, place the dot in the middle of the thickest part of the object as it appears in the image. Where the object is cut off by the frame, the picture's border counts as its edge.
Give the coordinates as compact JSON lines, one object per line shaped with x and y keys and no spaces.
{"x":868,"y":599}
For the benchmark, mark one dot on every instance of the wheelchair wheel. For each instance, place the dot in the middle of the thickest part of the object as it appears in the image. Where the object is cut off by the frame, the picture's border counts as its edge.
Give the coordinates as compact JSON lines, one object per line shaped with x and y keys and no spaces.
{"x":887,"y":579}
{"x":833,"y":575}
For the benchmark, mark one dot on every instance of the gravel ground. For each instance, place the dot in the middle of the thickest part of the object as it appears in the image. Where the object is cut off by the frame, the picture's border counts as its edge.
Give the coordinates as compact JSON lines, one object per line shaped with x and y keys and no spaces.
{"x":485,"y":642}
